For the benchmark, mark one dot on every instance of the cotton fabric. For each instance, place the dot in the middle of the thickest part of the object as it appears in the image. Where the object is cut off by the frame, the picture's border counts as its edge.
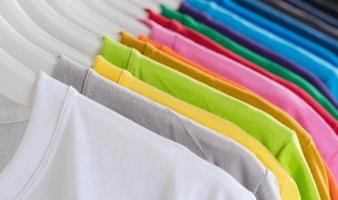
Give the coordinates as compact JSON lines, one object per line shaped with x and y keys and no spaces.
{"x":75,"y":148}
{"x":287,"y":186}
{"x":304,"y":17}
{"x":257,"y":48}
{"x":314,"y":64}
{"x":13,"y":122}
{"x":255,"y":122}
{"x":205,"y":143}
{"x":303,"y":5}
{"x":313,"y":158}
{"x":257,"y":83}
{"x":269,"y":25}
{"x":199,"y":67}
{"x":330,"y":178}
{"x":327,"y":6}
{"x":271,"y":67}
{"x":292,"y":24}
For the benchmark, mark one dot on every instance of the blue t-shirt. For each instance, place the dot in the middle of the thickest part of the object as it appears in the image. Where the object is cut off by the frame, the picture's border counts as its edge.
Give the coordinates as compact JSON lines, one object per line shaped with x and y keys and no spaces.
{"x":324,"y":70}
{"x":279,"y":30}
{"x":291,"y":24}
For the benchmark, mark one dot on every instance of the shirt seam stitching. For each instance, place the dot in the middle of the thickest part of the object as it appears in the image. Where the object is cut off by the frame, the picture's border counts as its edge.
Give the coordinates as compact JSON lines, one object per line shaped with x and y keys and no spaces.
{"x":285,"y":144}
{"x":50,"y":148}
{"x":262,"y":181}
{"x":129,"y":59}
{"x":85,"y":86}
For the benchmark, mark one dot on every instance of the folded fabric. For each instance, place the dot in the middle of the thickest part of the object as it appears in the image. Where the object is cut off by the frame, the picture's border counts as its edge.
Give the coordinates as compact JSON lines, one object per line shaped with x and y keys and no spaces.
{"x":310,"y":151}
{"x":205,"y":143}
{"x":166,"y":56}
{"x":323,"y":135}
{"x":327,"y":73}
{"x":189,"y":33}
{"x":126,"y":38}
{"x":314,"y":11}
{"x":304,"y":17}
{"x":169,"y":51}
{"x":74,"y":147}
{"x":257,"y":48}
{"x":328,"y":178}
{"x":287,"y":186}
{"x":329,"y":7}
{"x":13,"y":123}
{"x":283,"y":32}
{"x":292,"y":24}
{"x":255,"y":122}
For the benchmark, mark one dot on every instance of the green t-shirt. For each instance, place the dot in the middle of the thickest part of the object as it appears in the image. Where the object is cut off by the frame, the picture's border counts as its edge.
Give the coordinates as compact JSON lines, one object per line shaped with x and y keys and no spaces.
{"x":281,"y":141}
{"x":251,"y":56}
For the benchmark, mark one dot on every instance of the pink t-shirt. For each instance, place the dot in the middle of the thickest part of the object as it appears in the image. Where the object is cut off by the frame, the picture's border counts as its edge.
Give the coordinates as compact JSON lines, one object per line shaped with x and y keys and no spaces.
{"x":321,"y":132}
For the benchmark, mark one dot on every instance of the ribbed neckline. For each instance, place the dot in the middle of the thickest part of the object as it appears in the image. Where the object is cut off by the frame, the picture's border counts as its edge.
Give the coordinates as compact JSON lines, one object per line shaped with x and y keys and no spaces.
{"x":37,"y":144}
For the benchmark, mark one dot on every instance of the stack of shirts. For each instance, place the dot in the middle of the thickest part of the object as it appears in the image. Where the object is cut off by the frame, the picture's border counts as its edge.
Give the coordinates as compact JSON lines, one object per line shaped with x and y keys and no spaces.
{"x":225,"y":99}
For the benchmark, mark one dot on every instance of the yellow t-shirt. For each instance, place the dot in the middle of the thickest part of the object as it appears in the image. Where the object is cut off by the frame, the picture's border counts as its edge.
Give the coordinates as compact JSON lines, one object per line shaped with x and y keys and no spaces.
{"x":311,"y":153}
{"x":288,"y":187}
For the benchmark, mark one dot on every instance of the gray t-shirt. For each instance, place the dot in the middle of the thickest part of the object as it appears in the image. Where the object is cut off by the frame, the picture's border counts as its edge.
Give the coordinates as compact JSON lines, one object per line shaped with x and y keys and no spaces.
{"x":13,"y":123}
{"x":205,"y":143}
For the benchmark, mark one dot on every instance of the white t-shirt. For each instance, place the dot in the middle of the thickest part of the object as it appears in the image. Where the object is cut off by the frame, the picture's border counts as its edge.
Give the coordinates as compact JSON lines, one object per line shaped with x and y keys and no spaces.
{"x":74,"y":148}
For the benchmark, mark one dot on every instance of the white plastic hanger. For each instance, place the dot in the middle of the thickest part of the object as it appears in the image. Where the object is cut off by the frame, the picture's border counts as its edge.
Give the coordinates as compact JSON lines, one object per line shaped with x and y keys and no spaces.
{"x":147,"y":4}
{"x":110,"y":13}
{"x":17,"y":80}
{"x":82,"y":16}
{"x":155,"y":4}
{"x":174,"y":4}
{"x":18,"y":19}
{"x":13,"y":73}
{"x":58,"y":26}
{"x":128,"y":8}
{"x":23,"y":50}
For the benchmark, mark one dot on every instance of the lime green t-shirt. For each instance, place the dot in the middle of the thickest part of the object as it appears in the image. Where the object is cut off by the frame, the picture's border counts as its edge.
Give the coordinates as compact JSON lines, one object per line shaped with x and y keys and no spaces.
{"x":281,"y":141}
{"x":251,"y":56}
